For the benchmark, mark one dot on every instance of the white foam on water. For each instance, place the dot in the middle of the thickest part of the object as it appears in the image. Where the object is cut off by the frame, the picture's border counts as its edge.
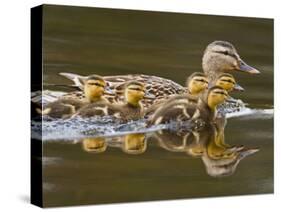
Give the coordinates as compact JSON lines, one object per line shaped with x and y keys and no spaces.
{"x":77,"y":128}
{"x":248,"y":113}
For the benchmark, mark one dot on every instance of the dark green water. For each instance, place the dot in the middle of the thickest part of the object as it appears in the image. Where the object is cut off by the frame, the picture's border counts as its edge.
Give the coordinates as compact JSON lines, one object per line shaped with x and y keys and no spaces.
{"x":111,"y":42}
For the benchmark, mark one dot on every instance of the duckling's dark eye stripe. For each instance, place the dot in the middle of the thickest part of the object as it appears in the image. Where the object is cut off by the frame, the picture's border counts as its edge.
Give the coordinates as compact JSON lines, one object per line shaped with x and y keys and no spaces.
{"x":218,"y":92}
{"x":96,"y":84}
{"x":136,"y":89}
{"x":201,"y":80}
{"x":228,"y":81}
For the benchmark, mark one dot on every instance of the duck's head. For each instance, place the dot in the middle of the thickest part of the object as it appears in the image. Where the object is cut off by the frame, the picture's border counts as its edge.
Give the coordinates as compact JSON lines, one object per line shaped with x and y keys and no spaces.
{"x":134,"y":92}
{"x":197,"y":82}
{"x":216,"y":95}
{"x":94,"y":87}
{"x":221,"y":56}
{"x":227,"y":82}
{"x":94,"y":145}
{"x":134,"y":143}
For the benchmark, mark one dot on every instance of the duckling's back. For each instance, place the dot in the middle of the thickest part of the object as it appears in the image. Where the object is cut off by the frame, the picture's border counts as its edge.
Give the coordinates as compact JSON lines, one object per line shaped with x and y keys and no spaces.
{"x":181,"y":109}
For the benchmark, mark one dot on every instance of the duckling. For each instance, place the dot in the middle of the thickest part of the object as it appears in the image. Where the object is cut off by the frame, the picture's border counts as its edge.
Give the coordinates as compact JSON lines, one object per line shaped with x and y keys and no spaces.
{"x":195,"y":84}
{"x":191,"y":109}
{"x":175,"y":140}
{"x":227,"y":82}
{"x":219,"y":57}
{"x":132,"y":109}
{"x":94,"y":87}
{"x":134,"y":143}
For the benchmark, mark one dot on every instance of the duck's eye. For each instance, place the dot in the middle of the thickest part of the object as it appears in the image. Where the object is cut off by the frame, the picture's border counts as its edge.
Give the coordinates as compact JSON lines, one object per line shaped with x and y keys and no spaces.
{"x":223,"y":52}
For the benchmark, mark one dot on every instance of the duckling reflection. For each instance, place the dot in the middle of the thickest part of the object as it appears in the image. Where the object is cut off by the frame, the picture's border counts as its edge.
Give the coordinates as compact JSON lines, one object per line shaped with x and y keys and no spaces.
{"x":134,"y":143}
{"x":176,"y":141}
{"x":94,"y":145}
{"x":220,"y":159}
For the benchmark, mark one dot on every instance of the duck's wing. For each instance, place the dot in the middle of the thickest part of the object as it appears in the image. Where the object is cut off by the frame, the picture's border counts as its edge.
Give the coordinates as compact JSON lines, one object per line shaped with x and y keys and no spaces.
{"x":46,"y":96}
{"x":153,"y":83}
{"x":157,"y":88}
{"x":77,"y":79}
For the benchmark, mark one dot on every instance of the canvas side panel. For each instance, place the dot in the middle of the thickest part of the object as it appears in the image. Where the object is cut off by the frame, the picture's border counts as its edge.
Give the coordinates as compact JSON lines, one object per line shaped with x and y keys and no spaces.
{"x":36,"y":86}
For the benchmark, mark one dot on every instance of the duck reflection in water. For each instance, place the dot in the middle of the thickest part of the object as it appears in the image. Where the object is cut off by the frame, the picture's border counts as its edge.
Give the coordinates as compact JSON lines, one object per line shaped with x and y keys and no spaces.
{"x":220,"y":159}
{"x":94,"y":145}
{"x":134,"y":143}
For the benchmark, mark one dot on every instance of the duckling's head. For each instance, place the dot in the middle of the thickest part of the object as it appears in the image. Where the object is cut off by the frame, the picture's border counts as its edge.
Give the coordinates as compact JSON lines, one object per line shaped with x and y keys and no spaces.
{"x":134,"y":92}
{"x":216,"y":95}
{"x":196,"y":83}
{"x":94,"y":145}
{"x":227,"y":82}
{"x":134,"y":143}
{"x":94,"y":87}
{"x":221,"y":56}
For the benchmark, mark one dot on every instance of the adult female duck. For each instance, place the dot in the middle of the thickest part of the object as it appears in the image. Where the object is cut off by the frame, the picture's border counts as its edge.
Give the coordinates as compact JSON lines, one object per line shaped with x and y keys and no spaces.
{"x":219,"y":57}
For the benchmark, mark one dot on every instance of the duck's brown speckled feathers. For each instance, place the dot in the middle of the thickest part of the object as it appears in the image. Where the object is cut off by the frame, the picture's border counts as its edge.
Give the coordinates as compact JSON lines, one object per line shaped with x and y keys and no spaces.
{"x":157,"y":88}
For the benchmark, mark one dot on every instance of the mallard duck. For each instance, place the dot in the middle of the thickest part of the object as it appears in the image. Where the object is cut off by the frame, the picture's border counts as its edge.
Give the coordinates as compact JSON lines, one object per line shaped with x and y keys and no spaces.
{"x":94,"y":88}
{"x":189,"y":108}
{"x":219,"y":57}
{"x":132,"y":109}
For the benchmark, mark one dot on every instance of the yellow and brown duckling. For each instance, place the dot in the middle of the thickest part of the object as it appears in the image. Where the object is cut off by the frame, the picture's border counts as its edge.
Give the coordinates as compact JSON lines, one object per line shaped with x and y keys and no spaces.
{"x":131,"y":109}
{"x":94,"y":88}
{"x":219,"y":57}
{"x":227,"y":82}
{"x":195,"y":84}
{"x":191,"y":109}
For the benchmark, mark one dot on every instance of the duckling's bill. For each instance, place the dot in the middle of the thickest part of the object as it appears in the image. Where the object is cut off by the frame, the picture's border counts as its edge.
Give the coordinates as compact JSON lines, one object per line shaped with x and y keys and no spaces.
{"x":238,"y":87}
